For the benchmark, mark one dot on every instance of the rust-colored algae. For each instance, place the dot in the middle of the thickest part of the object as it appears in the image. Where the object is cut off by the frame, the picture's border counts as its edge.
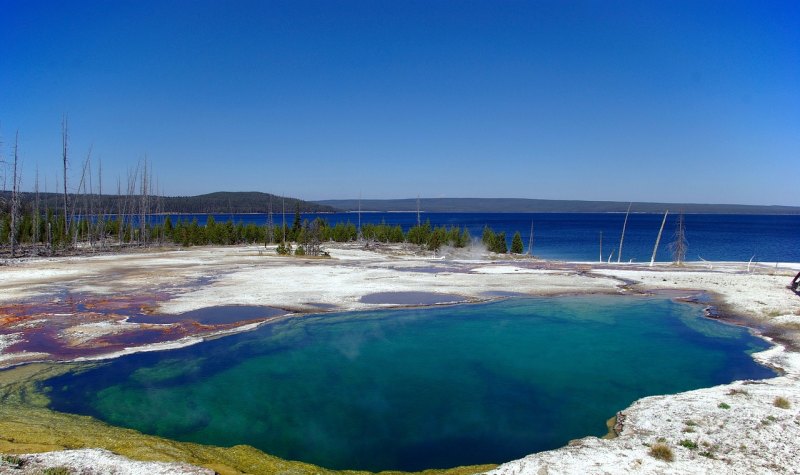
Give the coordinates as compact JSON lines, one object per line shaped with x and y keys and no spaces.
{"x":75,"y":325}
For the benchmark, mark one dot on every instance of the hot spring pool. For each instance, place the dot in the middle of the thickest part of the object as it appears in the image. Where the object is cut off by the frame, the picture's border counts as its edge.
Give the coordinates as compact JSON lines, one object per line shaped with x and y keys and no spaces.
{"x":418,"y":388}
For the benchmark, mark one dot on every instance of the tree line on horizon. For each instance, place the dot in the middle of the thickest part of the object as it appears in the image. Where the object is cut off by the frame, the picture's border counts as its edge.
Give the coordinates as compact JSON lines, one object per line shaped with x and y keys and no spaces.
{"x":44,"y":233}
{"x":42,"y":230}
{"x":59,"y":223}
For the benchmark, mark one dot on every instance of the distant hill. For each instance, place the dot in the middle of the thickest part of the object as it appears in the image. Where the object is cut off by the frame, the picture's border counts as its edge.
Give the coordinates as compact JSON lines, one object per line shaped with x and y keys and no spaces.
{"x":219,"y":202}
{"x":523,"y":205}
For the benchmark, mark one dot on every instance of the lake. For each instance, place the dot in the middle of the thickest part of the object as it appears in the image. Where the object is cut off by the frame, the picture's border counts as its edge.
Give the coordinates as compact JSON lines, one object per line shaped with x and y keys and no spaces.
{"x":418,"y":388}
{"x":576,"y":236}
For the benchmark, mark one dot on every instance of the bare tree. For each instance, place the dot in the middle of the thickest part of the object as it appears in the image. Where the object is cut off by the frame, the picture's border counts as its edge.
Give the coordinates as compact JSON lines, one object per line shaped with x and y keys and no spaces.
{"x":36,"y":215}
{"x":119,"y":211}
{"x":81,"y":187}
{"x":270,"y":225}
{"x":530,"y":241}
{"x":130,"y":204}
{"x":143,"y":205}
{"x":3,"y":167}
{"x":314,"y":238}
{"x":101,"y":212}
{"x":47,"y":215}
{"x":622,"y":237}
{"x":658,"y":239}
{"x":15,"y":198}
{"x":601,"y":246}
{"x":679,"y":244}
{"x":64,"y":140}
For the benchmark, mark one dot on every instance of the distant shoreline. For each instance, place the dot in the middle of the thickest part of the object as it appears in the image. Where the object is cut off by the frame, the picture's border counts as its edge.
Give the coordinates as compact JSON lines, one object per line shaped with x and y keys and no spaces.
{"x":528,"y":205}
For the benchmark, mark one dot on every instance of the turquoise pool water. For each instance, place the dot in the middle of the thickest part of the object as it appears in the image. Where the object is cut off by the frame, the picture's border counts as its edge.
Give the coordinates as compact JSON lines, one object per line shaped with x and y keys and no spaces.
{"x":419,"y":388}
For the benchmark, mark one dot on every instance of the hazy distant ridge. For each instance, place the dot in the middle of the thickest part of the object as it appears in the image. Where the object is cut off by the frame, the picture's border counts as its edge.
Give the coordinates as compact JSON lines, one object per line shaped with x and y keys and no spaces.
{"x":219,"y":202}
{"x":524,"y":205}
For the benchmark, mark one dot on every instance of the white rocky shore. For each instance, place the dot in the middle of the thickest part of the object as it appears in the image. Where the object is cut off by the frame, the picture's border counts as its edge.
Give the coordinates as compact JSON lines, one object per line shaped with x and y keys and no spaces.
{"x":735,"y":428}
{"x":95,"y":462}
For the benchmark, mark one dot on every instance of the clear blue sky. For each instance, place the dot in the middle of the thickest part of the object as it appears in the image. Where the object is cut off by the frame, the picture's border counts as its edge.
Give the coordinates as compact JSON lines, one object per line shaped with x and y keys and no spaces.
{"x":690,"y":101}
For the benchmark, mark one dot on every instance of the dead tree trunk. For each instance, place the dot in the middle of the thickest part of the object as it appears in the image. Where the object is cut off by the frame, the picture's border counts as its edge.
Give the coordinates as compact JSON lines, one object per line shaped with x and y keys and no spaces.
{"x":658,"y":239}
{"x":36,"y":215}
{"x":679,"y":243}
{"x":622,"y":237}
{"x":601,"y":246}
{"x":15,"y":198}
{"x":101,"y":212}
{"x":81,"y":186}
{"x":143,"y":206}
{"x":64,"y":139}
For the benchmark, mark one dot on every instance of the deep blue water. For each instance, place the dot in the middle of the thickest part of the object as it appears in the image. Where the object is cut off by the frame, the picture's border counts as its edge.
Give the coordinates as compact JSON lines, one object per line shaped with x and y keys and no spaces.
{"x":575,"y":236}
{"x":418,"y":388}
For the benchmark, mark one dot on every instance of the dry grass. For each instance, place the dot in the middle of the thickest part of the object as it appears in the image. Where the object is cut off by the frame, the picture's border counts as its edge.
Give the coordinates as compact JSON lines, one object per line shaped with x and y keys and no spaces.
{"x":662,"y":451}
{"x":781,"y":402}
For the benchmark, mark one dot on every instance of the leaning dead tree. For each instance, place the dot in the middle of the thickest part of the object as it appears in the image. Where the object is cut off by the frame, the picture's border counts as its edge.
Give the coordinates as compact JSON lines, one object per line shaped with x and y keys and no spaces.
{"x":658,"y":239}
{"x":622,"y":237}
{"x":679,"y":244}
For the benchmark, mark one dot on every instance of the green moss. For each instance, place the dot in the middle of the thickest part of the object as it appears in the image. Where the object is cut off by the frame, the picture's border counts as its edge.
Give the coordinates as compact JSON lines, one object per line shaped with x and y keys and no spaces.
{"x":689,"y":444}
{"x":27,"y":425}
{"x":11,"y":460}
{"x":56,"y":471}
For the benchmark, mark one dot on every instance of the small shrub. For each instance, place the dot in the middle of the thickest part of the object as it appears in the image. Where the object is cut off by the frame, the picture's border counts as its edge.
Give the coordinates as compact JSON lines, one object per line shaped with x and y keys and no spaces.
{"x":735,"y":391}
{"x":689,"y":444}
{"x":722,"y":405}
{"x":690,"y":423}
{"x":688,"y":429}
{"x":12,"y":460}
{"x":662,"y":451}
{"x":707,"y":453}
{"x":57,"y":471}
{"x":781,"y":402}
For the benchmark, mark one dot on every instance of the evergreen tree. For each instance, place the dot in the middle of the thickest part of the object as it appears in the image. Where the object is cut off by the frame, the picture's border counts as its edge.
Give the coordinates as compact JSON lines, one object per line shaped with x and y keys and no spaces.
{"x":500,"y":245}
{"x":488,"y":238}
{"x":516,"y":244}
{"x":168,"y":228}
{"x":296,"y":225}
{"x":466,"y":239}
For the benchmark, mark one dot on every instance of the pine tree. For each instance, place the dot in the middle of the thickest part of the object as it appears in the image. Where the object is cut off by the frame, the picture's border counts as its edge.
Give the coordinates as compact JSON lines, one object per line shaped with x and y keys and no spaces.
{"x":516,"y":244}
{"x":500,"y":245}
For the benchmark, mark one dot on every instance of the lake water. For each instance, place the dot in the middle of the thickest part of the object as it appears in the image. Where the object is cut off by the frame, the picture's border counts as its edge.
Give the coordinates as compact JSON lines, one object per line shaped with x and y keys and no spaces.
{"x":575,"y":236}
{"x":418,"y":388}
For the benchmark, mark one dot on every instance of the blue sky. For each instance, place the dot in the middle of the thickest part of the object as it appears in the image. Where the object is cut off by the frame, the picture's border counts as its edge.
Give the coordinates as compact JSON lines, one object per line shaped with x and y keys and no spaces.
{"x":682,"y":101}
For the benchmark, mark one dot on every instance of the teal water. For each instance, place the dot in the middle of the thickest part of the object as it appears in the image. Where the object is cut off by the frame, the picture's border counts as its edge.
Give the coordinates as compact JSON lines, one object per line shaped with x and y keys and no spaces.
{"x":418,"y":388}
